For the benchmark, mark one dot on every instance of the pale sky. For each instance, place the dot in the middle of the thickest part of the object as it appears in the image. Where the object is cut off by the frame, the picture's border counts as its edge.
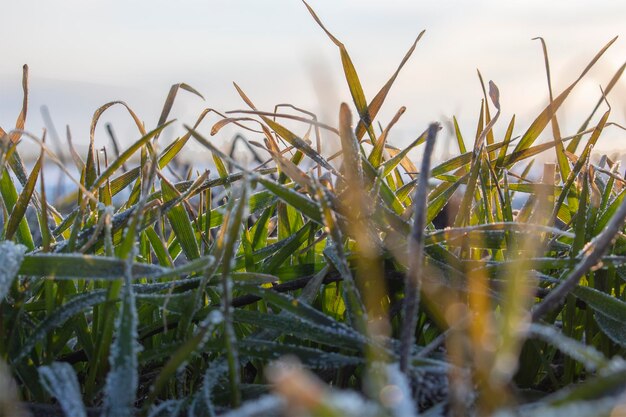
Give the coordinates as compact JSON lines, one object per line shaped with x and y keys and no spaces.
{"x":83,"y":54}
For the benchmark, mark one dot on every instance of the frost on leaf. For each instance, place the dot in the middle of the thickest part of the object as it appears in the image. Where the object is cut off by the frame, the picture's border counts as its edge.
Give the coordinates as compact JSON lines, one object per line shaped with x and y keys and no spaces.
{"x":59,"y":379}
{"x":11,"y":257}
{"x":122,"y":380}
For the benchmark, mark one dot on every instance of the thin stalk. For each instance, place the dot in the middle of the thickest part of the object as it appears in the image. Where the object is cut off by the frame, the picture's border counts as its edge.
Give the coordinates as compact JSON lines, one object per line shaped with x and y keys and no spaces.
{"x":416,"y":254}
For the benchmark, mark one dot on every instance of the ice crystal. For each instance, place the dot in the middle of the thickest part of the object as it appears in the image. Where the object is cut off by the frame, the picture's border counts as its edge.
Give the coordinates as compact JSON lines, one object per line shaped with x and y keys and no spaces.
{"x":11,"y":257}
{"x":59,"y":379}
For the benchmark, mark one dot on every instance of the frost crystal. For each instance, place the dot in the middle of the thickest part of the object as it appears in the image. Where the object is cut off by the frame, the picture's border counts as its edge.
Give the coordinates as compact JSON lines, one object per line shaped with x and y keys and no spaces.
{"x":122,"y":381}
{"x":11,"y":257}
{"x":59,"y":379}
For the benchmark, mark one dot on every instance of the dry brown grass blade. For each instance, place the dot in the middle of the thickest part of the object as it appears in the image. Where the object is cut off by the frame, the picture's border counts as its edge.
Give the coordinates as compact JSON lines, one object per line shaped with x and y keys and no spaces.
{"x":102,"y":109}
{"x":487,"y":115}
{"x":352,"y":78}
{"x":494,"y":94}
{"x":223,"y":116}
{"x":556,"y":131}
{"x":21,"y":119}
{"x":169,"y":101}
{"x":287,"y":135}
{"x":353,"y":169}
{"x":287,"y":116}
{"x":244,"y":97}
{"x":574,"y":143}
{"x":52,"y":157}
{"x":546,"y":62}
{"x":228,"y":120}
{"x":90,"y":171}
{"x":376,"y":156}
{"x":313,"y":116}
{"x":292,"y":170}
{"x":545,"y":116}
{"x":319,"y":22}
{"x":171,"y":96}
{"x":367,"y":113}
{"x":378,"y":100}
{"x":78,"y":161}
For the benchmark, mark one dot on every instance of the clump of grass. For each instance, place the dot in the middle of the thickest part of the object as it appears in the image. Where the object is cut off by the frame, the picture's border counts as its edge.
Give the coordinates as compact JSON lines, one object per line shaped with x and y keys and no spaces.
{"x":189,"y":296}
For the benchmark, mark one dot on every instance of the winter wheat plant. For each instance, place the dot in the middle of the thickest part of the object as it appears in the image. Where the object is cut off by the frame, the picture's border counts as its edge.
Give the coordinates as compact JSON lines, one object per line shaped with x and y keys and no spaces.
{"x":316,"y":284}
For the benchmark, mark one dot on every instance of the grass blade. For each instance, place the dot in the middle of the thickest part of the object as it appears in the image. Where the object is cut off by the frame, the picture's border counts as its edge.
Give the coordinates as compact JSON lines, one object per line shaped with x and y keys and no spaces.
{"x":115,"y":165}
{"x":123,"y":378}
{"x":180,"y":222}
{"x":595,"y":250}
{"x":73,"y":266}
{"x":416,"y":254}
{"x":546,"y":115}
{"x":19,"y":209}
{"x":11,"y":258}
{"x":377,"y":101}
{"x":354,"y":84}
{"x":10,"y":199}
{"x":60,"y":380}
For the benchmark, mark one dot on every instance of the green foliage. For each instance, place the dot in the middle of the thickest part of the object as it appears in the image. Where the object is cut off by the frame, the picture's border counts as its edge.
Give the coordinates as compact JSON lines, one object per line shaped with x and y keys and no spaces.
{"x":149,"y":292}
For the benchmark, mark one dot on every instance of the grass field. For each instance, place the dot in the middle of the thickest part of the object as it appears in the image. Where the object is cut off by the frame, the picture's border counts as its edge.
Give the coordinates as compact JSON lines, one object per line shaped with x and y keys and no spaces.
{"x":313,"y":284}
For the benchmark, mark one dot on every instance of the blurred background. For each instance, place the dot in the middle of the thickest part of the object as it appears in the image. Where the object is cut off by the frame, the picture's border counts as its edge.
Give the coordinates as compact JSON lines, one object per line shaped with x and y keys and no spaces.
{"x":84,"y":54}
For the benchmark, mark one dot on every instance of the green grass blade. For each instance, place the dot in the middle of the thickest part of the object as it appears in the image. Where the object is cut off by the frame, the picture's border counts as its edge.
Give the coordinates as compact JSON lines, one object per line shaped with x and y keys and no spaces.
{"x":227,"y":243}
{"x":76,"y":266}
{"x":19,"y":209}
{"x":459,"y":137}
{"x":10,"y":197}
{"x":60,"y":380}
{"x":11,"y":258}
{"x":391,"y":164}
{"x":180,"y":222}
{"x":295,"y":326}
{"x":507,"y":140}
{"x":442,"y":199}
{"x":603,"y":303}
{"x":310,"y":357}
{"x":123,"y":379}
{"x":184,"y":353}
{"x":586,"y":355}
{"x":58,"y":318}
{"x":304,"y":205}
{"x":124,"y":156}
{"x":582,"y":159}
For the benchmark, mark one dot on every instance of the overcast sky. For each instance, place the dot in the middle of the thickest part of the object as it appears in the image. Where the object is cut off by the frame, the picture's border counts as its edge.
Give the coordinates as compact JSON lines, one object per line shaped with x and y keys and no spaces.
{"x":83,"y":54}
